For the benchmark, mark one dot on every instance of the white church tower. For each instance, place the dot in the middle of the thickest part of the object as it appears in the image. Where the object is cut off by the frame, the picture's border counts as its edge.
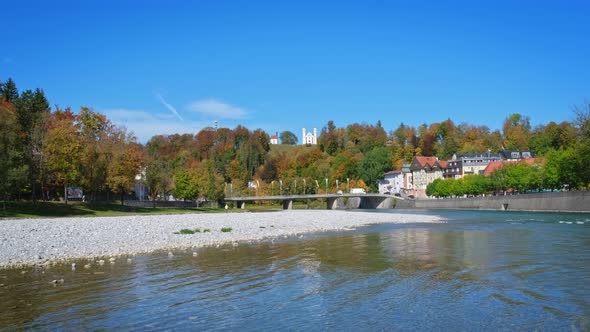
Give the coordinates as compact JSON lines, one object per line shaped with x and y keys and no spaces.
{"x":309,"y":138}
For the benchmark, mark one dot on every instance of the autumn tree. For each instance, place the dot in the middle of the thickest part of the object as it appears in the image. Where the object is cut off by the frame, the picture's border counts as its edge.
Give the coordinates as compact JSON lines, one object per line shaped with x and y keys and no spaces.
{"x":552,"y":136}
{"x":223,"y":152}
{"x":32,"y":109}
{"x":252,"y":153}
{"x":426,"y":141}
{"x":63,"y":148}
{"x":268,"y":171}
{"x":331,"y":139}
{"x":94,"y":157}
{"x":157,"y":177}
{"x":13,"y":169}
{"x":364,"y":137}
{"x":447,"y":139}
{"x":345,"y":165}
{"x":210,"y":184}
{"x":517,"y":132}
{"x":124,"y":161}
{"x":205,"y":141}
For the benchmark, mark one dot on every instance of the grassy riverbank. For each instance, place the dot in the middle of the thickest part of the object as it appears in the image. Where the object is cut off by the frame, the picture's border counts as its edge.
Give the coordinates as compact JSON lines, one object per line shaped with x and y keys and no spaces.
{"x":11,"y":210}
{"x":79,"y":209}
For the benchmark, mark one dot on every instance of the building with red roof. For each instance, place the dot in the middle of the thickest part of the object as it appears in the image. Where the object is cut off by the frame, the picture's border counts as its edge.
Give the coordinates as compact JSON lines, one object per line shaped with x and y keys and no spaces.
{"x":424,"y":171}
{"x":496,"y":165}
{"x":413,"y":178}
{"x":274,"y":139}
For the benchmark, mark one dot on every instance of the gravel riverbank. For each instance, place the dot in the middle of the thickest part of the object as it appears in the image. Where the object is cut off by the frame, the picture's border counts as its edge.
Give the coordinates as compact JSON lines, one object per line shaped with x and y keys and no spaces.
{"x":41,"y":241}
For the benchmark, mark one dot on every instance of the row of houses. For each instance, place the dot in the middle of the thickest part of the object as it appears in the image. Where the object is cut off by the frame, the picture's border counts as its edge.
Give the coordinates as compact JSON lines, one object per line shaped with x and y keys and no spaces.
{"x":414,"y":177}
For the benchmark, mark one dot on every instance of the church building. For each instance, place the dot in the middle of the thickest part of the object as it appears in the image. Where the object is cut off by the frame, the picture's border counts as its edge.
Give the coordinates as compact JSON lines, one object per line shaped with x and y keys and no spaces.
{"x":310,"y":138}
{"x":274,"y":139}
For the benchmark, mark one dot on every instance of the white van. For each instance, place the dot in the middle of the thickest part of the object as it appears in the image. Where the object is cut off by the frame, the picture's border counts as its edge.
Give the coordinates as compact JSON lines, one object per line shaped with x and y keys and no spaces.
{"x":357,"y":191}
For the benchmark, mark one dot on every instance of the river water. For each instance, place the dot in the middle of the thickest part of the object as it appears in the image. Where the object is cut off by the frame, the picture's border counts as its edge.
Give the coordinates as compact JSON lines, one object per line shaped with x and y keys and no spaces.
{"x":485,"y":271}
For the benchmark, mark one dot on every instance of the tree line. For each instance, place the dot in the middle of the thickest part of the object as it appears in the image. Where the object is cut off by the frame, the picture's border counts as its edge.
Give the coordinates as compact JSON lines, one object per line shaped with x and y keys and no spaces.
{"x":46,"y":150}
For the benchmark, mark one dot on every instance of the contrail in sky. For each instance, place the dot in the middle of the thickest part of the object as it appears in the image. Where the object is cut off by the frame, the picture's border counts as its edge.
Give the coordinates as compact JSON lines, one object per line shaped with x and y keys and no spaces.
{"x":168,"y":106}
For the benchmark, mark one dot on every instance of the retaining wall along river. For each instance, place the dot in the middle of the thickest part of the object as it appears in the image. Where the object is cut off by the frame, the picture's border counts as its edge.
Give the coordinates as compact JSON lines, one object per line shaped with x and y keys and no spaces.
{"x":573,"y":201}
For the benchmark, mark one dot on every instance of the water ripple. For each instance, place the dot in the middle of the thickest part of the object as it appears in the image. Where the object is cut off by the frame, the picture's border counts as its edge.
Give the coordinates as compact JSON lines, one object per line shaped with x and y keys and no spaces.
{"x":477,"y":272}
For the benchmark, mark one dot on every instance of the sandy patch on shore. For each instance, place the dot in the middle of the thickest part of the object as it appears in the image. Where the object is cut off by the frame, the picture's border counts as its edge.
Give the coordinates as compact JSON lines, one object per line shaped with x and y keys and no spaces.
{"x":40,"y":241}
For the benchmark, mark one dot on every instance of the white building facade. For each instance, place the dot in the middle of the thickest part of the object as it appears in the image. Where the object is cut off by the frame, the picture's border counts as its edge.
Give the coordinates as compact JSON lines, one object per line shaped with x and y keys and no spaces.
{"x":424,"y":171}
{"x":274,"y":139}
{"x":392,"y":183}
{"x":474,"y":163}
{"x":310,"y":138}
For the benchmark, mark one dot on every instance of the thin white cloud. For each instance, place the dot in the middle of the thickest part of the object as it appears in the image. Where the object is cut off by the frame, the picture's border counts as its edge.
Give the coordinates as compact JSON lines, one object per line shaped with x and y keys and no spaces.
{"x":145,"y":125}
{"x":217,"y":108}
{"x":168,"y":106}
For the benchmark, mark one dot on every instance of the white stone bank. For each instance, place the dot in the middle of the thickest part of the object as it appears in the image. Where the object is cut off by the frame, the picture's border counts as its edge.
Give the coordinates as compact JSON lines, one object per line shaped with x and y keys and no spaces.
{"x":39,"y":241}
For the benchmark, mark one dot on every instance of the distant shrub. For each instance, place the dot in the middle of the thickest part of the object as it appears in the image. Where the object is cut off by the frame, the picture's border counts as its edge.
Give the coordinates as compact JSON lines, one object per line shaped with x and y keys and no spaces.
{"x":186,"y":231}
{"x":206,"y":230}
{"x":226,"y":229}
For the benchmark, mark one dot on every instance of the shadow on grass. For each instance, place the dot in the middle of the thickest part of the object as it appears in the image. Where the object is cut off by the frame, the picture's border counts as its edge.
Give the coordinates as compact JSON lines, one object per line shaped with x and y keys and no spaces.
{"x":80,"y":209}
{"x":42,"y":209}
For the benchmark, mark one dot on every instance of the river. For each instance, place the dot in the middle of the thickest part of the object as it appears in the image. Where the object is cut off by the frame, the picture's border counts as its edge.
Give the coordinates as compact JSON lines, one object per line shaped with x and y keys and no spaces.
{"x":484,"y":271}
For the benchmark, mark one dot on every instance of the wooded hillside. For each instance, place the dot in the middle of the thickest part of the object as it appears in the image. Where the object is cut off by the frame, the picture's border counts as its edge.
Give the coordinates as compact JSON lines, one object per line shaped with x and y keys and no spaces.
{"x":45,"y":150}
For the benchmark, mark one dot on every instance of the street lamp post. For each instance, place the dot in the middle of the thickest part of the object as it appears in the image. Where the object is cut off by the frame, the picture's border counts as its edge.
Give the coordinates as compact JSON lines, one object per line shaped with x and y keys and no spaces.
{"x":348,"y":184}
{"x":326,"y":186}
{"x":304,"y":185}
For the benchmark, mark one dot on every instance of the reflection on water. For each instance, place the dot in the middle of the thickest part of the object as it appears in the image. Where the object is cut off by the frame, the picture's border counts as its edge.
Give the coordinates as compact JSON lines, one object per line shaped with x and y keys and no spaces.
{"x":482,"y":270}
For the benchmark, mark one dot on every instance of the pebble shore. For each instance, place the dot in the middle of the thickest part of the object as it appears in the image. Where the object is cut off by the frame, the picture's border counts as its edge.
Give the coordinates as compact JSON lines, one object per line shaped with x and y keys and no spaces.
{"x":43,"y":241}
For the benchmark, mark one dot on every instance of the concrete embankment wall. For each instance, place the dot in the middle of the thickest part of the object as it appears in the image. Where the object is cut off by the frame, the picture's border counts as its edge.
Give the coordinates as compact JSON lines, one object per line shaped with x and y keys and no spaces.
{"x":575,"y":201}
{"x":364,"y":203}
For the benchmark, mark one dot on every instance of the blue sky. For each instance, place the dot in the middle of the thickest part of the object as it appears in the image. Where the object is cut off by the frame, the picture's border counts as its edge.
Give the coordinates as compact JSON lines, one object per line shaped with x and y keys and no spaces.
{"x":163,"y":67}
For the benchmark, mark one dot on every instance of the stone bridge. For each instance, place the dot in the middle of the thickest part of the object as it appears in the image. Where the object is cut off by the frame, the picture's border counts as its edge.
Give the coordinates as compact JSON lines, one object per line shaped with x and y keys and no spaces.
{"x":333,"y":201}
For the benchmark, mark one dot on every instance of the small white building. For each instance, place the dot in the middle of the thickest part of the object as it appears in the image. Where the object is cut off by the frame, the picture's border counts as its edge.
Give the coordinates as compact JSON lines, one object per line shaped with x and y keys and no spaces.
{"x":393,"y":183}
{"x":310,"y":138}
{"x":274,"y":139}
